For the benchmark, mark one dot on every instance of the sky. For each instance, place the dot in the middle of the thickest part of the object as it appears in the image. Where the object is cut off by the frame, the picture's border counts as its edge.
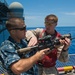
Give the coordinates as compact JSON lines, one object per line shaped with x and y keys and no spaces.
{"x":35,"y":11}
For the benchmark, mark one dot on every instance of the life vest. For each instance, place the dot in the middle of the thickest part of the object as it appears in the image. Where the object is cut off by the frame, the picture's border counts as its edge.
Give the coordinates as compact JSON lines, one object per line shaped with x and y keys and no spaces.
{"x":50,"y":59}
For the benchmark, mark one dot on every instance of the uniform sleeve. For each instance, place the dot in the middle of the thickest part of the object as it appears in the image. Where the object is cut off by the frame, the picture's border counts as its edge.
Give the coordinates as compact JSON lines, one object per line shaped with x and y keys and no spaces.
{"x":9,"y":55}
{"x":32,"y":33}
{"x":61,"y":55}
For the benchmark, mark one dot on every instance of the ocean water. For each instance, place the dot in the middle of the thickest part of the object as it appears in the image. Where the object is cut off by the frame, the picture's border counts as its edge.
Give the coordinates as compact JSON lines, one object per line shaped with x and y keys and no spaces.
{"x":63,"y":30}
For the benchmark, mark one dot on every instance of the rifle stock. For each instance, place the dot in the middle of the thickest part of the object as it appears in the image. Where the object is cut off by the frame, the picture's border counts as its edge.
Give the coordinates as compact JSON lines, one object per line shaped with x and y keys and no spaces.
{"x":24,"y":50}
{"x":27,"y":49}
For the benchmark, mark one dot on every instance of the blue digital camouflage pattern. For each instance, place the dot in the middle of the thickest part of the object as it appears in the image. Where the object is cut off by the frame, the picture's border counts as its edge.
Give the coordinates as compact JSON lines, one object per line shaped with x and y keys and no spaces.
{"x":9,"y":55}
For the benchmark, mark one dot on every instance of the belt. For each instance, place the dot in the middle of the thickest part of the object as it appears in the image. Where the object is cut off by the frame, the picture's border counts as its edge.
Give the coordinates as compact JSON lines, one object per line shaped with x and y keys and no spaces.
{"x":46,"y":66}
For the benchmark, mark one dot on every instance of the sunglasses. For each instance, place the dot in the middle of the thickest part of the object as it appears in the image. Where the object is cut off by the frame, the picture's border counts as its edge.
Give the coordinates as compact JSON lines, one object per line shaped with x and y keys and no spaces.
{"x":50,"y":23}
{"x":19,"y":28}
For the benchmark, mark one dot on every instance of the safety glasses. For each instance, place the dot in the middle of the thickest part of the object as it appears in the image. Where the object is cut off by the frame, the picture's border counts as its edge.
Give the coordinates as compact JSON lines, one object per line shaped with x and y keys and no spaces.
{"x":50,"y":22}
{"x":19,"y":28}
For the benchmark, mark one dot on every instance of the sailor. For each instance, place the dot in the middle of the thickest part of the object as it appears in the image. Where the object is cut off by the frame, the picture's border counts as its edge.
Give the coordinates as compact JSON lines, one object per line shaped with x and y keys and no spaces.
{"x":47,"y":64}
{"x":14,"y":63}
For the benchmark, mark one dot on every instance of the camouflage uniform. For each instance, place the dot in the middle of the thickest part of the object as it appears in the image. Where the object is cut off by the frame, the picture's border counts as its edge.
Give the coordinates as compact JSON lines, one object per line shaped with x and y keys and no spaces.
{"x":9,"y":55}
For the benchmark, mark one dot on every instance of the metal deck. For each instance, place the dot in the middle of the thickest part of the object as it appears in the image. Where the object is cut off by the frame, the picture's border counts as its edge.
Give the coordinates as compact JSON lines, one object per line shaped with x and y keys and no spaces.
{"x":67,"y":68}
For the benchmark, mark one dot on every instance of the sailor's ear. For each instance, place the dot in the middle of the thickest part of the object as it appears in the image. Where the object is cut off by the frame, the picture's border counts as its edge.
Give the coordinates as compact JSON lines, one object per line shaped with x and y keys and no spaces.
{"x":56,"y":24}
{"x":13,"y":31}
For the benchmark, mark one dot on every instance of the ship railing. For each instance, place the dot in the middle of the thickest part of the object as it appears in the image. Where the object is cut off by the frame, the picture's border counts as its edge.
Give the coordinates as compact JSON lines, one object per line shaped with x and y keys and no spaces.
{"x":68,"y":67}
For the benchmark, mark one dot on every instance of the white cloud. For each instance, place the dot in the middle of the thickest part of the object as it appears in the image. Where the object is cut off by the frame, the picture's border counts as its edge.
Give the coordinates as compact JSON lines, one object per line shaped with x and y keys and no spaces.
{"x":70,"y":13}
{"x":32,"y":17}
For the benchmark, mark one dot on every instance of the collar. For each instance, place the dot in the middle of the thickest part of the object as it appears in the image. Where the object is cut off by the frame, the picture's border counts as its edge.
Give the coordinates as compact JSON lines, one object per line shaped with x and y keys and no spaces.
{"x":23,"y":42}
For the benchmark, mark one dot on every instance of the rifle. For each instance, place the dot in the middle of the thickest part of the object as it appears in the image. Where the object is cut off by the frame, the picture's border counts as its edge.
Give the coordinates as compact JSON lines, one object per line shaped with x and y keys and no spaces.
{"x":45,"y":42}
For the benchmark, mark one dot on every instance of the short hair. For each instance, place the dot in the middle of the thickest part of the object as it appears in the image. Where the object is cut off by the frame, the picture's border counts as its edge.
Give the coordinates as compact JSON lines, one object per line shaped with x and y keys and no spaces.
{"x":51,"y":17}
{"x":13,"y":22}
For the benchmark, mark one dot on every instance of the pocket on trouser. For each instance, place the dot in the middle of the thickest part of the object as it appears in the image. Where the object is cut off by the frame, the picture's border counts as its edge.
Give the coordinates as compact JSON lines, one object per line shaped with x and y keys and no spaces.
{"x":40,"y":70}
{"x":50,"y":71}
